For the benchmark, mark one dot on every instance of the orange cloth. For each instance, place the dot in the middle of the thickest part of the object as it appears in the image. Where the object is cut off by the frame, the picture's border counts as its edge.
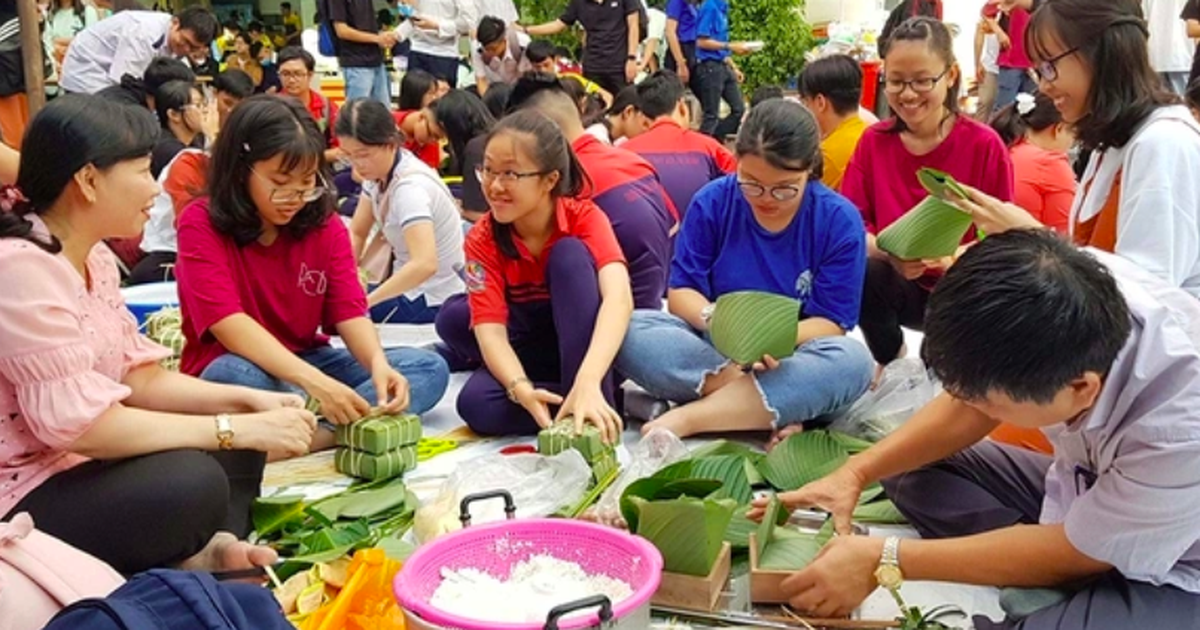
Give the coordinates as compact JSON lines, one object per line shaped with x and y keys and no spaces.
{"x":1100,"y":231}
{"x":14,"y":118}
{"x":1031,"y":439}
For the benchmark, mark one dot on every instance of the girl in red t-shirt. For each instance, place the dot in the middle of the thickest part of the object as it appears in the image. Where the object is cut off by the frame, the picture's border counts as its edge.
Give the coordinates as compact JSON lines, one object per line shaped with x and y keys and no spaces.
{"x":548,"y":294}
{"x":1038,"y":140}
{"x":265,"y":267}
{"x":417,"y":90}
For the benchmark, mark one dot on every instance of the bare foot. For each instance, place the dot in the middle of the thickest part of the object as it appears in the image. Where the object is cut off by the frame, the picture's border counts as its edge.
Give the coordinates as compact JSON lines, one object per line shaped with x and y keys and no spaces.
{"x":783,"y":434}
{"x":226,"y":553}
{"x":675,"y":421}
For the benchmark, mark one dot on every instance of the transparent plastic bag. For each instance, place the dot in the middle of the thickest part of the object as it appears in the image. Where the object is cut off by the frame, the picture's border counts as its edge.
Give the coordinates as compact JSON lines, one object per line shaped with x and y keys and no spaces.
{"x":904,"y":388}
{"x":656,"y":450}
{"x":539,"y":485}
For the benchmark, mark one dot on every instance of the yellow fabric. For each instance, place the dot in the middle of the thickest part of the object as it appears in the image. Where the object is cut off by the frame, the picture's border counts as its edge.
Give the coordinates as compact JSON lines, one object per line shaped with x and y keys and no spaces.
{"x":838,"y":148}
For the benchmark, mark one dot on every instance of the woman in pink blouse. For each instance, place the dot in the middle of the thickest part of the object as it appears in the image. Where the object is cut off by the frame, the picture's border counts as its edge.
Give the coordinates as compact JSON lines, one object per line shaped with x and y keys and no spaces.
{"x":1038,"y":141}
{"x":107,"y":451}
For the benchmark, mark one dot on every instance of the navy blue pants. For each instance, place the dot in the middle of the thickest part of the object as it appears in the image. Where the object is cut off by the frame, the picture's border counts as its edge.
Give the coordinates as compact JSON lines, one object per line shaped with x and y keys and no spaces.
{"x":550,"y":337}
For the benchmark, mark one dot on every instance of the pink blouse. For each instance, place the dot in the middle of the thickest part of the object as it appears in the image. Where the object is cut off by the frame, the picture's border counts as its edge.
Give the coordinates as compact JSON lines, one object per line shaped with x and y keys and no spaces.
{"x":64,"y":351}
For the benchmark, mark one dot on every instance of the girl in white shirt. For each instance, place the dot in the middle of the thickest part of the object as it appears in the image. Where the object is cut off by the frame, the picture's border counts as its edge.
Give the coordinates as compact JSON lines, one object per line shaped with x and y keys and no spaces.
{"x":413,"y":211}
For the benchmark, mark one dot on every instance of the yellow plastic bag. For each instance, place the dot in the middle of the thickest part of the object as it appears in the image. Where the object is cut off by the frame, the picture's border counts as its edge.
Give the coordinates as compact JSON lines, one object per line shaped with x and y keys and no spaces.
{"x":366,"y":602}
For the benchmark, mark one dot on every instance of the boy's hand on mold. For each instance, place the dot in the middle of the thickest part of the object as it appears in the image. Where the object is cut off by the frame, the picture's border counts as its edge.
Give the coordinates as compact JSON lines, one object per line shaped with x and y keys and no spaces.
{"x":992,"y":215}
{"x":836,"y":493}
{"x":586,"y":404}
{"x":339,"y":403}
{"x":392,"y":389}
{"x":537,"y":402}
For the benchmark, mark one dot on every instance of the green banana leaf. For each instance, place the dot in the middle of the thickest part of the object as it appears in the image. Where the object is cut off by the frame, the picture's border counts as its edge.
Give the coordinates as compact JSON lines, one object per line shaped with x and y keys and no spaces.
{"x":803,"y":458}
{"x":766,"y":528}
{"x":852,"y":444}
{"x":933,"y":228}
{"x":366,"y":503}
{"x":870,"y":493}
{"x":882,"y":512}
{"x":730,"y":470}
{"x":689,"y":532}
{"x":790,"y":550}
{"x":737,"y":534}
{"x":749,"y":324}
{"x":940,"y":184}
{"x":340,"y":535}
{"x":275,"y":514}
{"x":396,"y":549}
{"x":657,"y":489}
{"x":751,"y":457}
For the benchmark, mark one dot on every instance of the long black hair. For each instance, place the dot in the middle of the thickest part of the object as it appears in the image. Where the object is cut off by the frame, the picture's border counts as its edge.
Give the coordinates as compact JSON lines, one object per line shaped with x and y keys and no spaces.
{"x":173,"y":96}
{"x":463,"y":117}
{"x":260,"y":128}
{"x":550,"y":150}
{"x":937,"y":36}
{"x":369,"y":122}
{"x":1111,"y":37}
{"x":76,"y":6}
{"x":71,"y":132}
{"x":413,"y":88}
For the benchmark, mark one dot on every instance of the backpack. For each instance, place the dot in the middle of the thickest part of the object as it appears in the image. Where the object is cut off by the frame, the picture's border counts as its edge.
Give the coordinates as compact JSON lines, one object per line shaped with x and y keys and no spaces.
{"x":327,"y":41}
{"x":164,"y":599}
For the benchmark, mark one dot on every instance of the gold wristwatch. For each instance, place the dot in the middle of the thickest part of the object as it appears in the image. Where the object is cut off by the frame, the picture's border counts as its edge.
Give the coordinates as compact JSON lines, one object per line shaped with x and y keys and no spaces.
{"x":224,"y":432}
{"x":888,"y":573}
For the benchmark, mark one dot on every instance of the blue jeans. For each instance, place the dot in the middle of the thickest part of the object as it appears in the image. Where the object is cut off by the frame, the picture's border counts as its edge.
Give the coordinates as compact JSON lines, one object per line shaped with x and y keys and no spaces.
{"x":426,"y":372}
{"x":401,"y":310}
{"x":1012,"y":81}
{"x":671,"y":360}
{"x":368,"y":83}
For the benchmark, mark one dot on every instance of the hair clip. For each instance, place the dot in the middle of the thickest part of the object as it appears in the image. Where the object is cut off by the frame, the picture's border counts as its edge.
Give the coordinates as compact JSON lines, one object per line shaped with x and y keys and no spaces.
{"x":1026,"y":103}
{"x":245,"y":147}
{"x":11,"y":197}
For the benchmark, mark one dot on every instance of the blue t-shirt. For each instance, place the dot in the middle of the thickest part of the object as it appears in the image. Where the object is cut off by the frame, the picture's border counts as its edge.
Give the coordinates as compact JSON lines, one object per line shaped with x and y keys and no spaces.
{"x":684,"y":12}
{"x":820,"y":258}
{"x":712,"y":21}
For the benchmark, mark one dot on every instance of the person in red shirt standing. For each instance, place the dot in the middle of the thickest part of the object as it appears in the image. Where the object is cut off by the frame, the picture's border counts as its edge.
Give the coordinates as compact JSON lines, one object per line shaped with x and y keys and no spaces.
{"x":1015,"y":66}
{"x":623,"y":185}
{"x":547,"y":291}
{"x":265,"y":264}
{"x":685,"y":160}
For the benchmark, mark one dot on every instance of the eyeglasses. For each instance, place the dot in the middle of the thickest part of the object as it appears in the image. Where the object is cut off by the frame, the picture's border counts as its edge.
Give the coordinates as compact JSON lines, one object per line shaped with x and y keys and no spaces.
{"x":785,"y":192}
{"x":1048,"y":70}
{"x":193,"y":45}
{"x":508,"y":178}
{"x":920,"y":86}
{"x":292,"y":195}
{"x":293,"y":75}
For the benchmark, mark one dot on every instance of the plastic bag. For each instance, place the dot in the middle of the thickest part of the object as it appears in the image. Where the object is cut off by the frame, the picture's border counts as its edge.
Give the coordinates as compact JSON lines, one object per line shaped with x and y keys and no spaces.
{"x":539,"y":485}
{"x":904,"y":388}
{"x":656,"y":450}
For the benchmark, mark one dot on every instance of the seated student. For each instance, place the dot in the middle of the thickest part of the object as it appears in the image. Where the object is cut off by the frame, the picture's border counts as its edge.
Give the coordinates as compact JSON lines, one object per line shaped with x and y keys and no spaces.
{"x":463,"y":121}
{"x":246,"y":57}
{"x":109,"y":452}
{"x":1102,"y":357}
{"x":232,"y":87}
{"x":623,"y":185}
{"x":773,"y":228}
{"x":685,"y":160}
{"x":927,"y":130}
{"x":414,"y":211}
{"x":545,"y":57}
{"x":831,"y":88}
{"x":764,"y":93}
{"x":496,"y":99}
{"x":624,"y":119}
{"x":140,"y":90}
{"x":265,"y":264}
{"x":500,"y":57}
{"x":417,"y":90}
{"x":296,"y":68}
{"x":181,"y":108}
{"x":1038,"y":141}
{"x":547,"y":289}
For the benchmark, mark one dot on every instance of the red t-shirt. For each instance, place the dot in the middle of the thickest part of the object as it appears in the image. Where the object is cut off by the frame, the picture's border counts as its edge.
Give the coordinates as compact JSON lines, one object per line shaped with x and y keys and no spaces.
{"x":1015,"y":56}
{"x":685,"y":160}
{"x":615,"y":171}
{"x":325,"y":112}
{"x":1045,"y":184}
{"x":431,"y":153}
{"x":881,"y":179}
{"x":494,"y":280}
{"x":292,"y":287}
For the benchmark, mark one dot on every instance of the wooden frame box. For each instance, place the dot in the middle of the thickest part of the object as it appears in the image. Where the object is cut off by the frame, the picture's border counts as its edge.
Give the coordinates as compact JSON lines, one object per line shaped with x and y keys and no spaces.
{"x":765,"y":584}
{"x":693,"y":592}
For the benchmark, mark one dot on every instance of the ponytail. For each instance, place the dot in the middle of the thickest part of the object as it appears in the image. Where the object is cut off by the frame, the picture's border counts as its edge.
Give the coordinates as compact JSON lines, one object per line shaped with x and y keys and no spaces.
{"x":1030,"y":112}
{"x":14,"y":209}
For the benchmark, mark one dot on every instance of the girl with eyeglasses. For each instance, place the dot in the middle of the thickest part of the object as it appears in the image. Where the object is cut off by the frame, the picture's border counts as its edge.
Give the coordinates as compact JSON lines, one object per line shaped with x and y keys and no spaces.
{"x":548,"y":292}
{"x":770,"y":227}
{"x":414,"y":212}
{"x":922,"y":84}
{"x":266,"y":271}
{"x":1139,"y":196}
{"x":181,"y":108}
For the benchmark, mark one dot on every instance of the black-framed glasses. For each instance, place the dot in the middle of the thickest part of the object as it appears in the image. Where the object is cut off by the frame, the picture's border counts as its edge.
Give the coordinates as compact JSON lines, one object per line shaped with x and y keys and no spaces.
{"x":920,"y":86}
{"x":1048,"y":70}
{"x":783,"y":192}
{"x":292,"y":195}
{"x":507,"y":178}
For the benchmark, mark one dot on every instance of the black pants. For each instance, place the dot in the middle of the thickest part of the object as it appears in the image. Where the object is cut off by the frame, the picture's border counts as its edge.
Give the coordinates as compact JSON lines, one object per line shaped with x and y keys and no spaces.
{"x":713,"y":82}
{"x":154,"y":267}
{"x":444,"y":68}
{"x":150,"y":511}
{"x":613,"y":81}
{"x":689,"y":54}
{"x":889,"y":302}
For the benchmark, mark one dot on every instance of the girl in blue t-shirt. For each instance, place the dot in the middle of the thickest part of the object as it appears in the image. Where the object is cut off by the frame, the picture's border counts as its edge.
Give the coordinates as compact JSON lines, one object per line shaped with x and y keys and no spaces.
{"x":766,"y":228}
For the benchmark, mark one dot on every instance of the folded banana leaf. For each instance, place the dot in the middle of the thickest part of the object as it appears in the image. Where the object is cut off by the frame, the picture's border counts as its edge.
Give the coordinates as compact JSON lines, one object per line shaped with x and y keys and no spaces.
{"x":366,"y":465}
{"x":688,"y":531}
{"x":933,"y":228}
{"x":380,"y":434}
{"x":746,"y":325}
{"x":561,"y":436}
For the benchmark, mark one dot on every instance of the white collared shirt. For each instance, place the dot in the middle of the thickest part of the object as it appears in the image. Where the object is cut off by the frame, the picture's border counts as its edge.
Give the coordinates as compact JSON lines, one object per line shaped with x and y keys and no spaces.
{"x":123,"y":44}
{"x":506,"y":69}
